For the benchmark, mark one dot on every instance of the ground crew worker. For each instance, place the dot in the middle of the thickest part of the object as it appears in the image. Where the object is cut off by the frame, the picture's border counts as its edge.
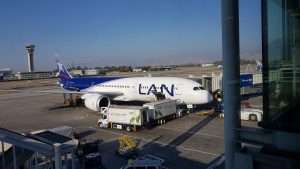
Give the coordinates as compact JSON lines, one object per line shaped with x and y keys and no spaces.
{"x":80,"y":153}
{"x":130,"y":160}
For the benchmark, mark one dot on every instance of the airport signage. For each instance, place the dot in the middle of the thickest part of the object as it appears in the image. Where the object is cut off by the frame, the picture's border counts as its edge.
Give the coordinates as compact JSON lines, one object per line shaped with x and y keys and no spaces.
{"x":246,"y":80}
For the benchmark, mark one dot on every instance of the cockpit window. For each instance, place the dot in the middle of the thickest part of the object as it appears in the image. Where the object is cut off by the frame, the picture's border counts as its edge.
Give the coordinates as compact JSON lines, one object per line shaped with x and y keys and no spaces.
{"x":199,"y":88}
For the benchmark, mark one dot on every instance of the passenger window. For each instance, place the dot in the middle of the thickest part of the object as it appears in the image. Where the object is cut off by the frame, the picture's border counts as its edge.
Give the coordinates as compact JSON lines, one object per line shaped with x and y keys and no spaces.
{"x":202,"y":88}
{"x":196,"y":88}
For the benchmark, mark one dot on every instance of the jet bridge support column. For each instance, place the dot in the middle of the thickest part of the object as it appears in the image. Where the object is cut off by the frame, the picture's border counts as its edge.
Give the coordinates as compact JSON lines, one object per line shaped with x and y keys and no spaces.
{"x":30,"y":162}
{"x":66,"y":161}
{"x":231,"y":81}
{"x":73,"y":159}
{"x":3,"y":156}
{"x":35,"y":160}
{"x":14,"y":157}
{"x":57,"y":155}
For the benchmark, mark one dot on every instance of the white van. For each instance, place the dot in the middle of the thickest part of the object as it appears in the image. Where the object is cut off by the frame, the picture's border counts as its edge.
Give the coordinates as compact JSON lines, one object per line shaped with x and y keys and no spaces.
{"x":252,"y":114}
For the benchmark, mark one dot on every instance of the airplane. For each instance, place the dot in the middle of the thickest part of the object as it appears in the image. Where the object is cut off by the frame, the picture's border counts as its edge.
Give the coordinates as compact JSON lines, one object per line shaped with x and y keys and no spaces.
{"x":258,"y":66}
{"x":1,"y":77}
{"x":99,"y":91}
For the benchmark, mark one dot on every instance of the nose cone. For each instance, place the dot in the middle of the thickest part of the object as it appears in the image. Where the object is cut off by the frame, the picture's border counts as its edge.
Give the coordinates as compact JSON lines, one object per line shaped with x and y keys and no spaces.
{"x":209,"y":97}
{"x":201,"y":97}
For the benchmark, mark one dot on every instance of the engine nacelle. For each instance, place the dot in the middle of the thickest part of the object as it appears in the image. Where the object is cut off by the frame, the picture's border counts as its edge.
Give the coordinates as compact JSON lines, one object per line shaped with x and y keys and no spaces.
{"x":95,"y":101}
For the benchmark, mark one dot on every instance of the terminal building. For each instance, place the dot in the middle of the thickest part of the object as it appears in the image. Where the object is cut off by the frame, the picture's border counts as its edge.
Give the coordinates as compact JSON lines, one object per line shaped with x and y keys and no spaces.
{"x":34,"y":75}
{"x":5,"y":73}
{"x":78,"y":72}
{"x":88,"y":72}
{"x":93,"y":72}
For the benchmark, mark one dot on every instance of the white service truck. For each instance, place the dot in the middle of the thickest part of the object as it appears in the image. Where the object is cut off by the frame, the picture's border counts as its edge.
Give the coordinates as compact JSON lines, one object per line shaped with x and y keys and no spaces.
{"x":161,"y":111}
{"x":134,"y":117}
{"x":123,"y":117}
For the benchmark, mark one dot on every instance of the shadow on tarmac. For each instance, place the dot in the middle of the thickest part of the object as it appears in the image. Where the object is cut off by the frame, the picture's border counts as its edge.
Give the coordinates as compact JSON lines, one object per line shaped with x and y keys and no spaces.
{"x":189,"y":133}
{"x":170,"y":152}
{"x":173,"y":156}
{"x":84,"y":134}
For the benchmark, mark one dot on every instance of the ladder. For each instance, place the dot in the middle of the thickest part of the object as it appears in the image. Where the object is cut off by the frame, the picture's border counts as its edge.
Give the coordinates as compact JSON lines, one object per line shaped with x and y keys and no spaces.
{"x":126,"y":143}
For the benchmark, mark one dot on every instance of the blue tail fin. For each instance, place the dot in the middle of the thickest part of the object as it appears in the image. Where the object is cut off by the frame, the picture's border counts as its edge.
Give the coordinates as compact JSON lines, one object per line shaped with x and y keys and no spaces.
{"x":62,"y":71}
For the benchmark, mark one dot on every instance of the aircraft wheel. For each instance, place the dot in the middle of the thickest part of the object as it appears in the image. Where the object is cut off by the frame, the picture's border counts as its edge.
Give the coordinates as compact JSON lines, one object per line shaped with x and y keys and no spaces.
{"x":180,"y":114}
{"x":252,"y":117}
{"x":128,"y":128}
{"x":161,"y":121}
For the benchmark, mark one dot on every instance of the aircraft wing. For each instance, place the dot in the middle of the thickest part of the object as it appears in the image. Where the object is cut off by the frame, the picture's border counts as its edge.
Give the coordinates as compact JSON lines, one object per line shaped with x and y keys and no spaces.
{"x":64,"y":92}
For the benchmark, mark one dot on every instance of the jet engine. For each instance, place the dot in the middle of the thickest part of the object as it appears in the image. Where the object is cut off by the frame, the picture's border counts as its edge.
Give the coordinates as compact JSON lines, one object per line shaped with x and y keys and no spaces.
{"x":95,"y":101}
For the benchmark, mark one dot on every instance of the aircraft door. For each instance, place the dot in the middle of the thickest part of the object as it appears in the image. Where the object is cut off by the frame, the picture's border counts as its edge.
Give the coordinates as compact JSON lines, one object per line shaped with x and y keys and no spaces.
{"x":207,"y":83}
{"x":178,"y":89}
{"x":135,"y":88}
{"x":151,"y":97}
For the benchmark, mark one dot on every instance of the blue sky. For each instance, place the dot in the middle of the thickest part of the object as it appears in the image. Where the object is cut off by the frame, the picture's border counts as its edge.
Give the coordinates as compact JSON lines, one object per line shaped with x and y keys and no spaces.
{"x":120,"y":32}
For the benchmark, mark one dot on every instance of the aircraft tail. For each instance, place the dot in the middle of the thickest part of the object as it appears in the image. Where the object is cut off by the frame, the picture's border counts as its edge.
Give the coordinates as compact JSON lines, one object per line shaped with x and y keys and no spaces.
{"x":62,"y":71}
{"x":258,"y":66}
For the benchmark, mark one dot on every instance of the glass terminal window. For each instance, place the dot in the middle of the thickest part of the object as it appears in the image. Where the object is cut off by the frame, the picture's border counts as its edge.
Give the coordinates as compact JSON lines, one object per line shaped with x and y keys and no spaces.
{"x":281,"y":64}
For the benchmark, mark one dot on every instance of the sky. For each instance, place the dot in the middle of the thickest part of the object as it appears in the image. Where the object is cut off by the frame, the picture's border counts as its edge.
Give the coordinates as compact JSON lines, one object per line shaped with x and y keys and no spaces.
{"x":120,"y":32}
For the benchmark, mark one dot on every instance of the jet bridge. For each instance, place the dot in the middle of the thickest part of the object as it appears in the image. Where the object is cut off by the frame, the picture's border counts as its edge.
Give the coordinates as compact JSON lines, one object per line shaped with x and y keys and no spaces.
{"x":25,"y":148}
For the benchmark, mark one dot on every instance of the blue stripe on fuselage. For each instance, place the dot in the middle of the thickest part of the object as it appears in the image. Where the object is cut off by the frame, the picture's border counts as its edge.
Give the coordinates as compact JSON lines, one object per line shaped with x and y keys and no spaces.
{"x":84,"y":82}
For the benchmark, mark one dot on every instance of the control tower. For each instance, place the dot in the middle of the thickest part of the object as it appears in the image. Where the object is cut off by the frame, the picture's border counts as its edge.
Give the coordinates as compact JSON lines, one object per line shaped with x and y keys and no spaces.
{"x":30,"y":50}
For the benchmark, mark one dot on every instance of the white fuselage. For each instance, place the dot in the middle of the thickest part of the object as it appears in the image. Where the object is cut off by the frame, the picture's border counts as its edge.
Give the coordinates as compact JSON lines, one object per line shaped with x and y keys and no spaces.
{"x":183,"y":90}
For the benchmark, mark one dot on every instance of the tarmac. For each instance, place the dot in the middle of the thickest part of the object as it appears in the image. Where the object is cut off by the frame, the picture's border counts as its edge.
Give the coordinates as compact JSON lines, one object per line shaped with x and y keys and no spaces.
{"x":193,"y":141}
